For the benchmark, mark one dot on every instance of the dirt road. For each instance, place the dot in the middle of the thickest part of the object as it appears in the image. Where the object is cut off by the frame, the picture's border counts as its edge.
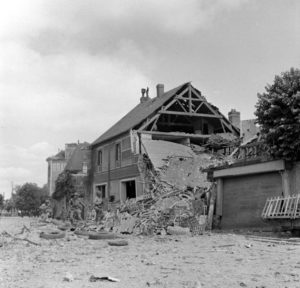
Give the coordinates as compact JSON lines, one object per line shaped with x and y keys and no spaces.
{"x":215,"y":260}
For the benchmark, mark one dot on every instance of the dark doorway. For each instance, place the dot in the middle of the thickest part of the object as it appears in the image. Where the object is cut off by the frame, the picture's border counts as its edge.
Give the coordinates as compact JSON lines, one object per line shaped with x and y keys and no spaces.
{"x":130,"y":189}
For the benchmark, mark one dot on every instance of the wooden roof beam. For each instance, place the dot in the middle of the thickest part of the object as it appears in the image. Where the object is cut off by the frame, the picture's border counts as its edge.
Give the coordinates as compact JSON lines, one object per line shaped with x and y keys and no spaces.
{"x":191,"y":114}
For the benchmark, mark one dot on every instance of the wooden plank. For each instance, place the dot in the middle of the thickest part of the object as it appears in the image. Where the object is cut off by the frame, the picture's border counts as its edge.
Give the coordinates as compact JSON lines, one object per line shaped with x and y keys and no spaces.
{"x":287,"y":205}
{"x":296,"y":206}
{"x":211,"y":207}
{"x":197,"y":94}
{"x":263,"y":214}
{"x":276,"y":205}
{"x":174,"y":100}
{"x":174,"y":134}
{"x":176,"y":124}
{"x":191,"y":114}
{"x":219,"y":200}
{"x":149,"y":122}
{"x":193,"y":99}
{"x":285,"y":183}
{"x":228,"y":126}
{"x":177,"y":101}
{"x":200,"y":105}
{"x":190,"y":98}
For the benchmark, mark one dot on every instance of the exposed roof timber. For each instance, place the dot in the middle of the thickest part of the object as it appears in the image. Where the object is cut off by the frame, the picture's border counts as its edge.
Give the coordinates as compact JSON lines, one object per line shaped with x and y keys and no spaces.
{"x":181,"y":105}
{"x":191,"y":114}
{"x":190,"y":98}
{"x":223,"y":126}
{"x":193,"y":99}
{"x":176,"y":124}
{"x":228,"y":126}
{"x":199,"y":106}
{"x":149,"y":122}
{"x":154,"y":123}
{"x":175,"y":134}
{"x":195,"y":92}
{"x":174,"y":100}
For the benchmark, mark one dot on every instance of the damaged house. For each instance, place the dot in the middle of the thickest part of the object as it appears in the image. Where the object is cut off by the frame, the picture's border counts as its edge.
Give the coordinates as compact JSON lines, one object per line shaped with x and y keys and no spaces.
{"x":181,"y":117}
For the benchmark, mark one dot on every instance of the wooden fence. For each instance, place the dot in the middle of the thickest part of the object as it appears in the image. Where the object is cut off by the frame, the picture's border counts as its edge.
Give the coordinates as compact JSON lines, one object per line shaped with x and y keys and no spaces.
{"x":282,"y":207}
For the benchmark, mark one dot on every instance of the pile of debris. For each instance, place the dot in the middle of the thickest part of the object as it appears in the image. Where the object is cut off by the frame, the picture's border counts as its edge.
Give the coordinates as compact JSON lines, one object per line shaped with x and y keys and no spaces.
{"x":176,"y":196}
{"x":176,"y":192}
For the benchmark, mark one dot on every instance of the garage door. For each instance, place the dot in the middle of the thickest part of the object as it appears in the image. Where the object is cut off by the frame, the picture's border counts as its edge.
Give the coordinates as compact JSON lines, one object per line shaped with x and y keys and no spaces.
{"x":245,"y":196}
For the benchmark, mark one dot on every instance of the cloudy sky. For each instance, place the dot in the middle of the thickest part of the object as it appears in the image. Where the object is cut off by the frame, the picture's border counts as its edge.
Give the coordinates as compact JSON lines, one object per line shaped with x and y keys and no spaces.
{"x":70,"y":68}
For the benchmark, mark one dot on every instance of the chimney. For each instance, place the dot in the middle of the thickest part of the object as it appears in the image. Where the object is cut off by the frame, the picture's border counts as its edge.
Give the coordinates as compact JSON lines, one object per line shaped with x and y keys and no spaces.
{"x":160,"y":89}
{"x":234,"y":118}
{"x":145,"y":95}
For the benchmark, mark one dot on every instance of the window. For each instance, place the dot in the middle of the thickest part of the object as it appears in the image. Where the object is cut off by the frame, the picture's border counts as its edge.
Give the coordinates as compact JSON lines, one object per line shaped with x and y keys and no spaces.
{"x":118,"y":152}
{"x":118,"y":155}
{"x":101,"y":191}
{"x":99,"y":158}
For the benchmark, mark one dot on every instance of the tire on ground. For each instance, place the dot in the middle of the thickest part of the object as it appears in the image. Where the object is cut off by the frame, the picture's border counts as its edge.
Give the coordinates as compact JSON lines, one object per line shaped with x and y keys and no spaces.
{"x":118,"y":243}
{"x":102,"y":235}
{"x":82,"y":232}
{"x":52,"y":235}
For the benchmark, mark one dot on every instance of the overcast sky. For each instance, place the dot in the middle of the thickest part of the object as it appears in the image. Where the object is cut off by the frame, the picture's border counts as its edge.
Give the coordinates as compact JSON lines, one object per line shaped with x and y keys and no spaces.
{"x":70,"y":68}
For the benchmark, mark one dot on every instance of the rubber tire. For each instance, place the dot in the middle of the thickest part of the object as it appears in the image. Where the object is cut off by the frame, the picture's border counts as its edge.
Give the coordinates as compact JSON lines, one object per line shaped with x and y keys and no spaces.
{"x":82,"y":232}
{"x":102,"y":236}
{"x":118,"y":243}
{"x":64,"y":227}
{"x":52,"y":235}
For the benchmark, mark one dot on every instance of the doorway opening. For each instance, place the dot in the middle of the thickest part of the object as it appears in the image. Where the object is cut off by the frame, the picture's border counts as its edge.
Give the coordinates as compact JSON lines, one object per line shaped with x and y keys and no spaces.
{"x":128,"y":190}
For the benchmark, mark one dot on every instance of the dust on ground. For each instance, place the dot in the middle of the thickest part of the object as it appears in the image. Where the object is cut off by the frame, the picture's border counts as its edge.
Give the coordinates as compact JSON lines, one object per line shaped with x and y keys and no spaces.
{"x":209,"y":260}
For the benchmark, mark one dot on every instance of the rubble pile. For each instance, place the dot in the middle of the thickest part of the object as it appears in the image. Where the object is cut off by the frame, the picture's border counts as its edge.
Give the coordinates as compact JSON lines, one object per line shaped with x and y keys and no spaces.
{"x":176,"y":193}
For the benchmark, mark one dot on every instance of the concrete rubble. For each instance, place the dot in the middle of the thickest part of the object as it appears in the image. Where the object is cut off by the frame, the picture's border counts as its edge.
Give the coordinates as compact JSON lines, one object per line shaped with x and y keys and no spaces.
{"x":176,"y":192}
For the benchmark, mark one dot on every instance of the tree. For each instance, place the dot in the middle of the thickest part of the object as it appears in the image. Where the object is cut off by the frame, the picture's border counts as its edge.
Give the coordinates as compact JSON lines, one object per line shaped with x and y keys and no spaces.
{"x":1,"y":201}
{"x":29,"y":198}
{"x":9,"y":204}
{"x":64,"y":186}
{"x":278,"y":113}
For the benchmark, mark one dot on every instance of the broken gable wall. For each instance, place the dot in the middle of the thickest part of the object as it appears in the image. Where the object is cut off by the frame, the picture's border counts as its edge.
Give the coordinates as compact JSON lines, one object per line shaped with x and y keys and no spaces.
{"x":178,"y":165}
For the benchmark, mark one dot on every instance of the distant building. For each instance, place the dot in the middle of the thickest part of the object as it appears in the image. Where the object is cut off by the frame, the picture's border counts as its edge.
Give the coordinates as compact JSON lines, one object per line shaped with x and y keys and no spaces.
{"x":248,"y":128}
{"x":56,"y":164}
{"x":63,"y":159}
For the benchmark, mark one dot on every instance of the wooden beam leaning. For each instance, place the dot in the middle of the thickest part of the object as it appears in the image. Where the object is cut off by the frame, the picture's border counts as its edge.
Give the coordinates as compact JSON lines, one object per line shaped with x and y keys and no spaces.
{"x":193,"y":114}
{"x":200,"y":105}
{"x":174,"y":100}
{"x":197,"y":94}
{"x":177,"y":101}
{"x":154,"y":124}
{"x":228,"y":126}
{"x":190,"y":98}
{"x":149,"y":122}
{"x":223,"y":126}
